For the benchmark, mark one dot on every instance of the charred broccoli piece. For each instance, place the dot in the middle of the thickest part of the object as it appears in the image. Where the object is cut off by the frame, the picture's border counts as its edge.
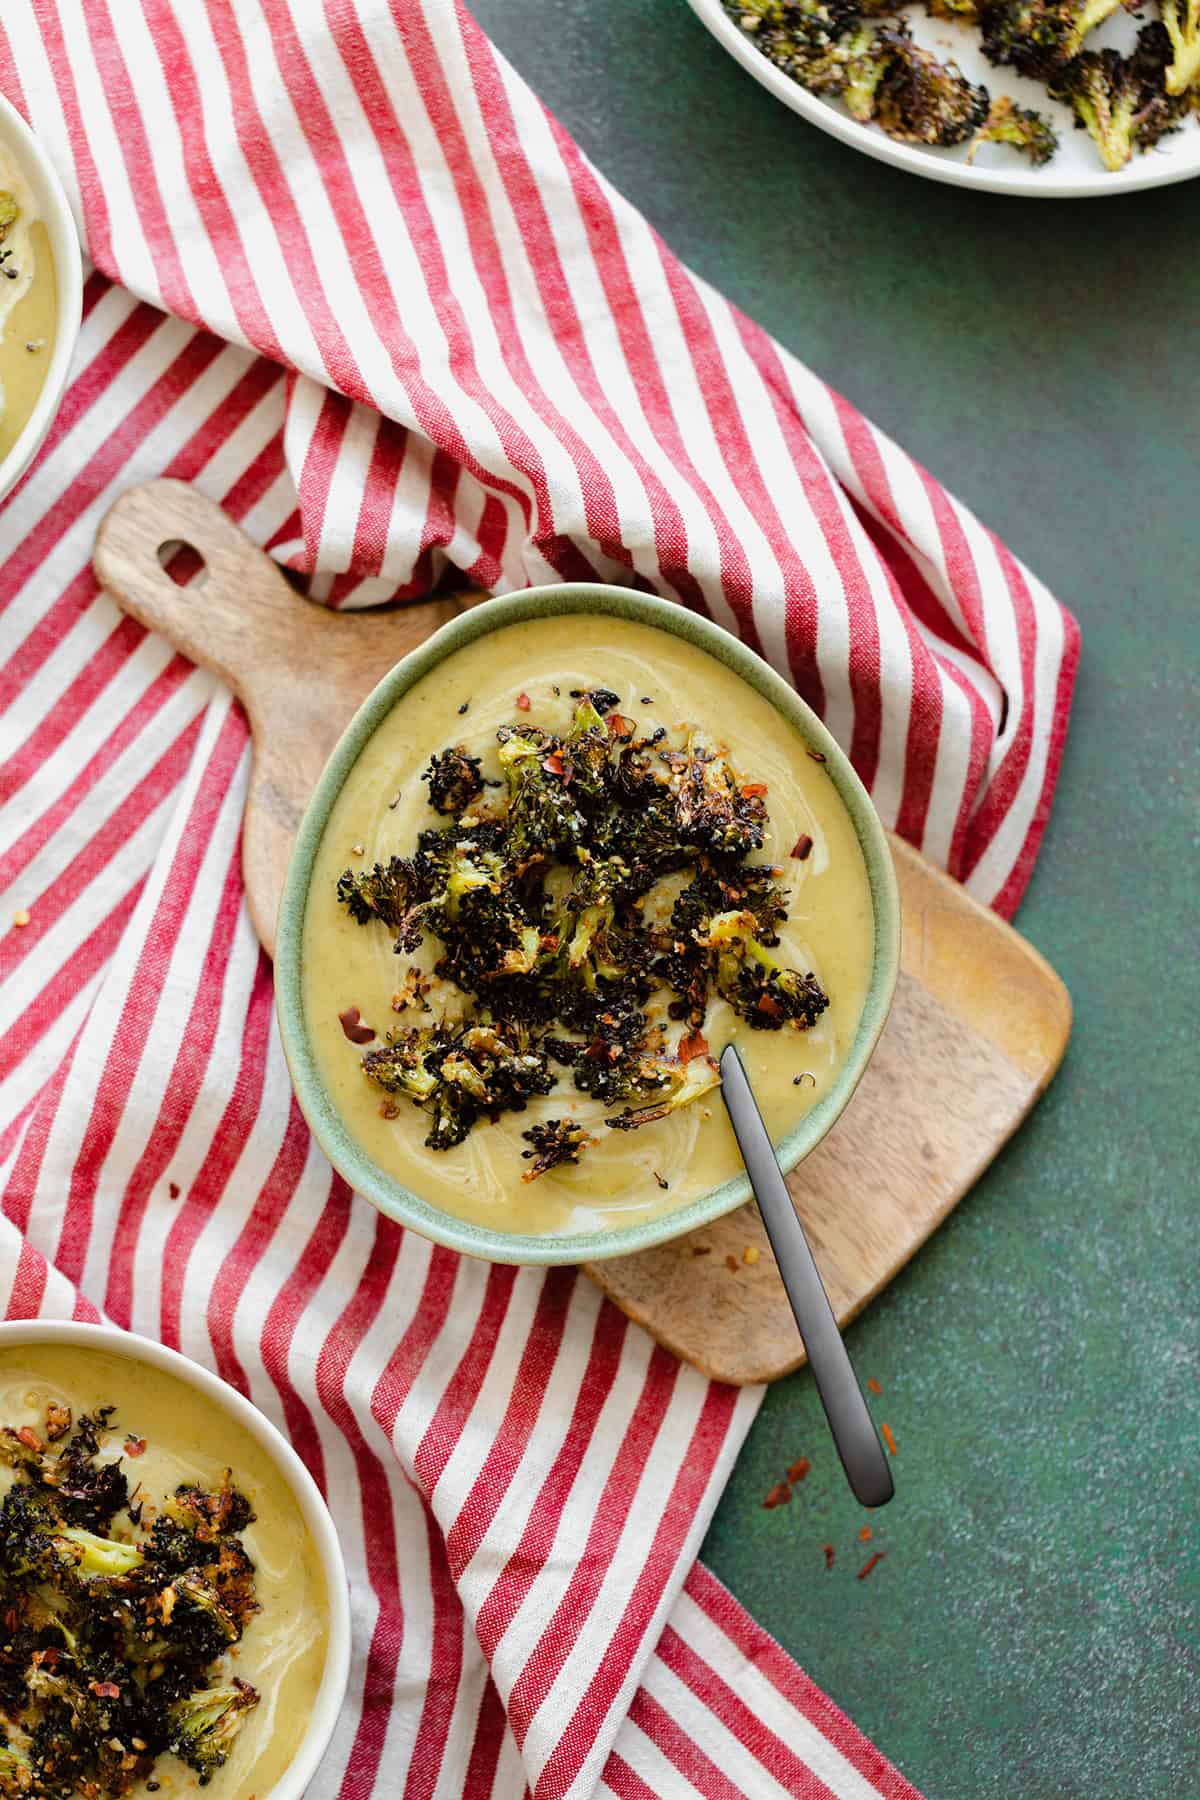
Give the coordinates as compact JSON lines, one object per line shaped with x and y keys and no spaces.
{"x":687,"y":964}
{"x":98,"y":1714}
{"x":89,"y":1491}
{"x":202,"y":1728}
{"x":1181,"y":19}
{"x":598,"y":934}
{"x":30,"y":1543}
{"x":410,"y":1062}
{"x":543,"y":820}
{"x":94,"y":1555}
{"x":1120,"y":100}
{"x":827,"y":48}
{"x":18,"y":1776}
{"x":459,"y":1076}
{"x":681,"y":1084}
{"x":1038,"y":37}
{"x":388,"y":892}
{"x":211,"y":1515}
{"x":1027,"y":131}
{"x":552,"y":1143}
{"x":758,"y":987}
{"x":199,"y":1623}
{"x":588,"y":747}
{"x":923,"y":101}
{"x":454,"y":780}
{"x":478,"y":917}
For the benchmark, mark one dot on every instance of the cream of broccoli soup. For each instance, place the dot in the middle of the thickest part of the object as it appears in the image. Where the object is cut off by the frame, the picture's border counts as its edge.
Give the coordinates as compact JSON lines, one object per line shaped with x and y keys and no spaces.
{"x":28,"y":302}
{"x":167,"y":1438}
{"x":620,"y":859}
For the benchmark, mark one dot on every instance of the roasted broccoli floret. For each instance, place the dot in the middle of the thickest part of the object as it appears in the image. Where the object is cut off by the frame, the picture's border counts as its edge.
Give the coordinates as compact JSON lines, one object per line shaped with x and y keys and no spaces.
{"x":211,"y":1515}
{"x":552,"y":1143}
{"x":202,"y":1728}
{"x":1027,"y":131}
{"x":29,"y":1536}
{"x":923,"y":101}
{"x":831,"y":51}
{"x":587,"y":750}
{"x":94,"y":1555}
{"x":682,"y":1083}
{"x":759,"y":988}
{"x":1120,"y":100}
{"x":410,"y":1062}
{"x":454,"y":781}
{"x":543,"y":820}
{"x":387,"y":892}
{"x":18,"y":1776}
{"x":1038,"y":37}
{"x":461,"y":1075}
{"x":718,"y":887}
{"x":1182,"y":21}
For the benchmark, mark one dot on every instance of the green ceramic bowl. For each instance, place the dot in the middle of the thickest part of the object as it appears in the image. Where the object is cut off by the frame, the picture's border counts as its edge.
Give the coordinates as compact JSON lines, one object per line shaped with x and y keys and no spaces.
{"x":345,"y":1154}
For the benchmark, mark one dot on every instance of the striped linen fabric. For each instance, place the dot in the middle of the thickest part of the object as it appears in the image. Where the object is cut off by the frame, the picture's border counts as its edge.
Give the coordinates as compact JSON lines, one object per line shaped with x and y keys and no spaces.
{"x":353,"y":282}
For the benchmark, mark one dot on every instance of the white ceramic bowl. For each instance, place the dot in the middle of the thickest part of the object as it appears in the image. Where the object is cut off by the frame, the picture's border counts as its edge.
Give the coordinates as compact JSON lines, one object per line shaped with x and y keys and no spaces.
{"x":38,"y":170}
{"x":330,"y":1694}
{"x":1074,"y":173}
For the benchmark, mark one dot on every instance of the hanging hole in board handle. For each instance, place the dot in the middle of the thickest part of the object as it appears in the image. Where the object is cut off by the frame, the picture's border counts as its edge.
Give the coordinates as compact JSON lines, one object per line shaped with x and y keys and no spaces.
{"x":182,"y":562}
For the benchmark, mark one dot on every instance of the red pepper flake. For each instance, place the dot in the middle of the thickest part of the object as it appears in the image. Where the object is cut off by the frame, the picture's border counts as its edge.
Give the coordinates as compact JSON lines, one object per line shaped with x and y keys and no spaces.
{"x":767,"y":1004}
{"x":817,"y":756}
{"x":620,"y":727}
{"x":870,"y":1564}
{"x":873,"y":1385}
{"x":695,"y":1044}
{"x":802,"y":848}
{"x":29,"y":1437}
{"x":701,"y":1249}
{"x":779,"y":1495}
{"x":864,"y":1535}
{"x":754,"y":790}
{"x":799,"y":1469}
{"x":829,"y":1556}
{"x":135,"y":1446}
{"x":353,"y":1027}
{"x":732,"y":1264}
{"x":523,"y":702}
{"x":554,"y":763}
{"x":173,"y":1189}
{"x":888,"y":1439}
{"x":105,"y":1690}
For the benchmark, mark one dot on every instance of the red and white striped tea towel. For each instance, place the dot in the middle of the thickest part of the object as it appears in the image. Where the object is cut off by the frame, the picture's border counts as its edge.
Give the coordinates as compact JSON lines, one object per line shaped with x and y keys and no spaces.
{"x":412,"y":326}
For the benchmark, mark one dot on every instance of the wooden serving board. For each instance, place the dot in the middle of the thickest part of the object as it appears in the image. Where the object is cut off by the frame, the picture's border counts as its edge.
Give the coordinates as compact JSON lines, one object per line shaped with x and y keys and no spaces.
{"x":978,"y":1028}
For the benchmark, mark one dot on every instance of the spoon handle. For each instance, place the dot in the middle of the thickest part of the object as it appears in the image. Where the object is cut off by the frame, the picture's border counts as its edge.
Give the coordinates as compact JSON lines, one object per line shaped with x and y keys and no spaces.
{"x":850,"y":1422}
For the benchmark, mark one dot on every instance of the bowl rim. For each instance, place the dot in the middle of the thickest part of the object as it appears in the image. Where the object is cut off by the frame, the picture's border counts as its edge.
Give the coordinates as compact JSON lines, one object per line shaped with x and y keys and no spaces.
{"x":336,"y":1674}
{"x":59,"y":221}
{"x":391,"y":1197}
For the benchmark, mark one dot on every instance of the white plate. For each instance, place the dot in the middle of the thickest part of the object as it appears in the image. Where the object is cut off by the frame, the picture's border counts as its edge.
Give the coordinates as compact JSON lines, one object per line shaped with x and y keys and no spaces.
{"x":1074,"y":173}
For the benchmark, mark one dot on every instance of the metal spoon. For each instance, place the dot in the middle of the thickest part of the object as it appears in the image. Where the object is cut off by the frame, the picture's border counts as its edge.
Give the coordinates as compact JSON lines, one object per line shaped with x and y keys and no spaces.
{"x":850,"y":1422}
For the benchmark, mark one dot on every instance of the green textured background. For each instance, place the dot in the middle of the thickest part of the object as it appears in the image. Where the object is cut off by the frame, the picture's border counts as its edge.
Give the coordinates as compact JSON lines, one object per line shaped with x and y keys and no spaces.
{"x":1032,"y":1634}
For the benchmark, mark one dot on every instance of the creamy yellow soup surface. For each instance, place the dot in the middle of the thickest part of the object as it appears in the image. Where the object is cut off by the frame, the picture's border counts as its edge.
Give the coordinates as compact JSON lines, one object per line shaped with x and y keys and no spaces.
{"x":28,"y":304}
{"x":830,"y":929}
{"x":190,"y":1440}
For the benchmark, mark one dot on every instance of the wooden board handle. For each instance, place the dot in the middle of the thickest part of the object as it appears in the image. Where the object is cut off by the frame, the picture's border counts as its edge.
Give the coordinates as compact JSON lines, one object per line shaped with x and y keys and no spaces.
{"x":298,"y":668}
{"x":240,"y":601}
